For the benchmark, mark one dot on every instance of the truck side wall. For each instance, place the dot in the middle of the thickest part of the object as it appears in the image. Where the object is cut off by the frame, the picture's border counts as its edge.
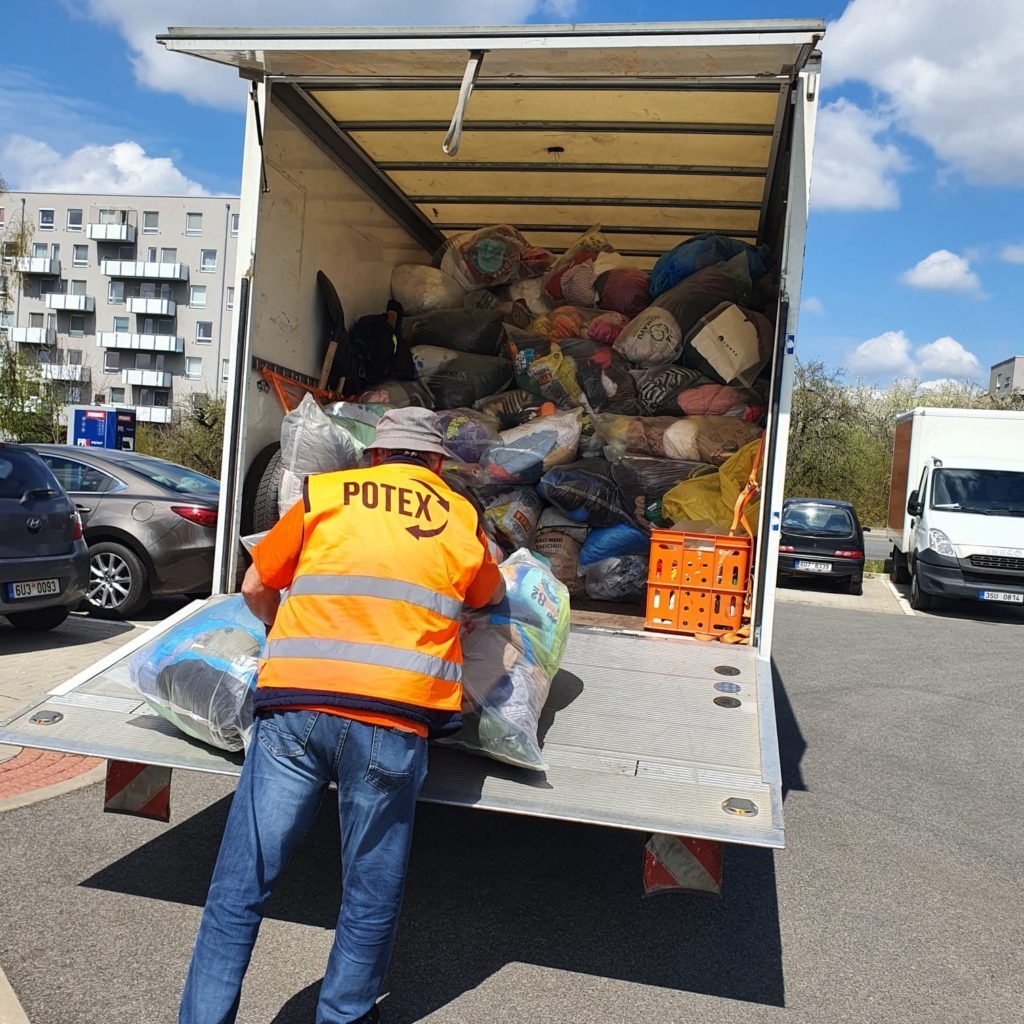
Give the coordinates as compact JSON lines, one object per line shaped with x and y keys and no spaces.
{"x":898,"y":486}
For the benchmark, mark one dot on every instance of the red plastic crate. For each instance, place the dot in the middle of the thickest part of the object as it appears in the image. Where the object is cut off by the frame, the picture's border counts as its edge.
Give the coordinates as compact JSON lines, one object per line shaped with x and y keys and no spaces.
{"x":697,"y":582}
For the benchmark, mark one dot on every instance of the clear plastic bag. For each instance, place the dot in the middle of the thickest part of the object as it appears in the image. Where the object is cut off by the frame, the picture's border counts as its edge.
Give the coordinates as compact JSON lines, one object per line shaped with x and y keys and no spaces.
{"x":652,"y":338}
{"x":634,"y":435}
{"x":586,"y":492}
{"x":468,"y":434}
{"x":399,"y":394}
{"x":658,"y":389}
{"x":491,"y":256}
{"x":703,"y":251}
{"x":613,"y":542}
{"x":623,"y":290}
{"x":458,"y":379}
{"x":643,"y":482}
{"x":200,"y":674}
{"x":514,"y":515}
{"x":511,"y":408}
{"x":523,"y":454}
{"x":511,"y":652}
{"x":709,"y":439}
{"x":618,"y":579}
{"x":476,"y":331}
{"x":421,"y":289}
{"x":720,"y":400}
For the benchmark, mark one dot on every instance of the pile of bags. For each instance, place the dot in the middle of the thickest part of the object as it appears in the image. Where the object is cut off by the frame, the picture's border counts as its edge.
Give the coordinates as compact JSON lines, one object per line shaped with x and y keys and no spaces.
{"x":577,"y":393}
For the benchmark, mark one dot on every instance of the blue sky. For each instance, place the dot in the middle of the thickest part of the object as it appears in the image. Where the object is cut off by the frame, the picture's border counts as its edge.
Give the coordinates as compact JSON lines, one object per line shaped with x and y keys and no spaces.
{"x":916,"y":243}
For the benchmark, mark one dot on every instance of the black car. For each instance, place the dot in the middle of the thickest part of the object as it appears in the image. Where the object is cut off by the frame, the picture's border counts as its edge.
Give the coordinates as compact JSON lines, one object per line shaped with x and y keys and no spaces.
{"x":44,"y":560}
{"x":821,"y":537}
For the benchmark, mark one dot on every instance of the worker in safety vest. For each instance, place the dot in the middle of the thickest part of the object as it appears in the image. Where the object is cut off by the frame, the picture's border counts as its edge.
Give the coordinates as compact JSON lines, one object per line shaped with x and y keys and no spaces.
{"x":362,"y":665}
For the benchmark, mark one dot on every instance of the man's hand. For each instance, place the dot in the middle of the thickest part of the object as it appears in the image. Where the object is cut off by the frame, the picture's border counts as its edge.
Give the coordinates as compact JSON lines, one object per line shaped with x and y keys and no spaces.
{"x":263,"y":601}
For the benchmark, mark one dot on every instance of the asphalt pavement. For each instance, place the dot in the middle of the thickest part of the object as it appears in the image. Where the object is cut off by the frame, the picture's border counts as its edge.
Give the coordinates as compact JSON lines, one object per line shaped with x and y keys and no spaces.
{"x":896,"y":899}
{"x":876,"y":544}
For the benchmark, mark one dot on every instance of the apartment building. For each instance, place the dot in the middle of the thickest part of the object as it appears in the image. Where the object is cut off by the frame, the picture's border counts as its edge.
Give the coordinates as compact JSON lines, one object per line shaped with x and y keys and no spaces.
{"x":121,"y":300}
{"x":1007,"y":377}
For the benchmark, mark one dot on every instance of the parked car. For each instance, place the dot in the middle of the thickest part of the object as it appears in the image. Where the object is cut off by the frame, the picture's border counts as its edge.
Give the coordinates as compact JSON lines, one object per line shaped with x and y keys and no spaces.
{"x":150,"y":524}
{"x":820,"y":537}
{"x":44,"y":561}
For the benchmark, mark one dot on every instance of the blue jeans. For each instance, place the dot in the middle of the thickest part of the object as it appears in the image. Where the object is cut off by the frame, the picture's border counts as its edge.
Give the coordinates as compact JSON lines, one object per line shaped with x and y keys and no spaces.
{"x":293,"y":757}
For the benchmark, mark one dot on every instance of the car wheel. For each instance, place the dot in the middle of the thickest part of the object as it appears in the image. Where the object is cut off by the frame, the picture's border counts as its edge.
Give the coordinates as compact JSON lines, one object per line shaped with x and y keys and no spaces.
{"x":118,"y":581}
{"x":855,"y":586}
{"x":259,"y":491}
{"x":919,"y":600}
{"x":39,"y":620}
{"x":898,"y":572}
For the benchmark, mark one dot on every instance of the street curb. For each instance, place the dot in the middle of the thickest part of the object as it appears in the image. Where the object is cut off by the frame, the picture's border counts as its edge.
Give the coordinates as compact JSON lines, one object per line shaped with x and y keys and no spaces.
{"x":12,"y":803}
{"x":11,"y":1011}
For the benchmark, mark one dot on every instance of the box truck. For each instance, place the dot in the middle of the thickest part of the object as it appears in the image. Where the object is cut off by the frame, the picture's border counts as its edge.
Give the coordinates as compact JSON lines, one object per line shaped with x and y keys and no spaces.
{"x":656,"y":132}
{"x":956,"y":505}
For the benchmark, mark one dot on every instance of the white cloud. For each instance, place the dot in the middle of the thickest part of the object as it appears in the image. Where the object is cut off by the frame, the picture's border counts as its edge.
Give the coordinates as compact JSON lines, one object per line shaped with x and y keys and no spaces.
{"x":892,"y":354}
{"x":1012,"y":254}
{"x":951,"y":73}
{"x":123,"y":168}
{"x":812,"y":304}
{"x":855,"y":167}
{"x":938,"y":384}
{"x":139,"y":21}
{"x":943,"y":271}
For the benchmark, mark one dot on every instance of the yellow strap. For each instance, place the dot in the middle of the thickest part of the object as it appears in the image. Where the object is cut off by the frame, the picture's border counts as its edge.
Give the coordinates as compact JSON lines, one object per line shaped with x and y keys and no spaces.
{"x":746,"y":496}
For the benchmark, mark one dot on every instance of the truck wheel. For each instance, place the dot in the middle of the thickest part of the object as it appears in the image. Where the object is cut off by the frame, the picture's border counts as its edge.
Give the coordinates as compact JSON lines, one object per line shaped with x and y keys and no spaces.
{"x":898,"y":571}
{"x":118,"y":581}
{"x":259,"y":492}
{"x":38,"y":621}
{"x":919,"y":600}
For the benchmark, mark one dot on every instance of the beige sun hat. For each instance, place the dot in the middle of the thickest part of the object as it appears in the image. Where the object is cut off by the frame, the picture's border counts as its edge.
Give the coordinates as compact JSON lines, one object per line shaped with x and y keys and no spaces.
{"x":412,"y":430}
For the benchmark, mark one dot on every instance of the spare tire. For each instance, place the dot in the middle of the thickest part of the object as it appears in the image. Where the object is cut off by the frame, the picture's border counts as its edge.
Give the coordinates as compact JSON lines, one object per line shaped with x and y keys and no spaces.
{"x":259,"y":492}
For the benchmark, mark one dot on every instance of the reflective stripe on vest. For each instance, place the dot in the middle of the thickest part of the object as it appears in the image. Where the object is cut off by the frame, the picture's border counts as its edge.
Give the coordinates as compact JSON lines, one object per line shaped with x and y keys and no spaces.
{"x":336,"y":585}
{"x":365,"y":654}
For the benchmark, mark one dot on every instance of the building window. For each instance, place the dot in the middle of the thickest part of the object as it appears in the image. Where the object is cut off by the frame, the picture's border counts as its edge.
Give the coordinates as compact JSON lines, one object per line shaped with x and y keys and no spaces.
{"x":77,"y":288}
{"x":77,"y":328}
{"x":151,"y":254}
{"x":234,"y":224}
{"x":116,"y":396}
{"x":51,"y":322}
{"x":40,"y":251}
{"x":115,"y":292}
{"x":7,"y":318}
{"x":113,"y":217}
{"x":3,"y":216}
{"x":193,"y":367}
{"x":120,"y":325}
{"x":208,"y":260}
{"x":193,"y":223}
{"x":150,"y":222}
{"x":46,"y":220}
{"x":111,"y":361}
{"x":161,"y":399}
{"x":225,"y":370}
{"x":35,"y":319}
{"x":74,"y":357}
{"x":197,"y":296}
{"x":74,"y":220}
{"x":204,"y":332}
{"x":80,"y":255}
{"x":126,"y":252}
{"x":168,"y":255}
{"x":55,"y":251}
{"x":230,"y":298}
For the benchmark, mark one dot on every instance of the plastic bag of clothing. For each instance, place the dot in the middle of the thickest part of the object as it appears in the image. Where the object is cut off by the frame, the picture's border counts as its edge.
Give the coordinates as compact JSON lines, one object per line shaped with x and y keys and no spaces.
{"x":524,"y":347}
{"x":421,"y":289}
{"x":510,"y":408}
{"x":514,"y":515}
{"x":200,"y":674}
{"x":634,"y":435}
{"x":622,"y":579}
{"x":653,"y":338}
{"x":491,"y":256}
{"x":468,"y":434}
{"x":511,"y":652}
{"x":576,"y":369}
{"x":605,"y":328}
{"x":614,"y":542}
{"x":713,"y":497}
{"x":731,"y":345}
{"x":703,"y":251}
{"x":643,"y":482}
{"x":523,"y":454}
{"x":358,"y":419}
{"x":721,"y":400}
{"x":700,"y":293}
{"x":591,"y":244}
{"x":558,"y":540}
{"x":586,"y":492}
{"x":708,"y":438}
{"x":477,"y":331}
{"x":659,"y":389}
{"x":458,"y":378}
{"x":398,"y":394}
{"x":563,"y":322}
{"x":311,"y":442}
{"x":623,"y":290}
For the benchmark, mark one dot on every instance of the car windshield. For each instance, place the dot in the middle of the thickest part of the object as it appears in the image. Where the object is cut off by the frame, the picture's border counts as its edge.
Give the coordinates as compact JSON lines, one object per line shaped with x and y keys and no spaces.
{"x":175,"y":478}
{"x":987,"y":491}
{"x":812,"y":518}
{"x":24,"y":473}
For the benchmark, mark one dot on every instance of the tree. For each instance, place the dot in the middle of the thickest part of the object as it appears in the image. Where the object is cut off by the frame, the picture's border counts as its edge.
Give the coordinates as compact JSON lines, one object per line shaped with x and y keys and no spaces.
{"x":194,"y":440}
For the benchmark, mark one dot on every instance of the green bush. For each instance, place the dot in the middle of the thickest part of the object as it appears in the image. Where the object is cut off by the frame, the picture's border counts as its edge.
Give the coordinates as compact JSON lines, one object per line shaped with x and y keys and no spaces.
{"x":194,"y":439}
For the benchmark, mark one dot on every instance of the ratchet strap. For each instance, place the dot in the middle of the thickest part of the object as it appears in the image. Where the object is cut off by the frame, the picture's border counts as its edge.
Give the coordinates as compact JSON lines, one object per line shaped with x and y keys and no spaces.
{"x":453,"y":139}
{"x":747,"y":495}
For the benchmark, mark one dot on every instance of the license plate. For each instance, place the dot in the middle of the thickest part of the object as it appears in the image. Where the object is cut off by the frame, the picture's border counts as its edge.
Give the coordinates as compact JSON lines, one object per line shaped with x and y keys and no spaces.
{"x":32,"y":588}
{"x":813,"y":566}
{"x":1001,"y":595}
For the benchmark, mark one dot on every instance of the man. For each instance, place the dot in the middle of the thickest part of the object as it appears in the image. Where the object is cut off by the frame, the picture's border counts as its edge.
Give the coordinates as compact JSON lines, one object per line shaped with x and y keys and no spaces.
{"x":362,"y":665}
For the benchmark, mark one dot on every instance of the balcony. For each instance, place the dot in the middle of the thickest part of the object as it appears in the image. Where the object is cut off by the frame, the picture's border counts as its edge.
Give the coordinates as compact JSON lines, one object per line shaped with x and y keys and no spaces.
{"x":140,"y":342}
{"x":145,"y":271}
{"x":37,"y":265}
{"x":67,"y":372}
{"x":112,"y":233}
{"x":72,"y":303}
{"x":33,"y":335}
{"x":146,"y":378}
{"x":153,"y":414}
{"x":152,"y":307}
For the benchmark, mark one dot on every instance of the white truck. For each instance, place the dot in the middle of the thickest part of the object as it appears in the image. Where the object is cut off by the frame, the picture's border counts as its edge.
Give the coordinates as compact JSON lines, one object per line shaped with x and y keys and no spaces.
{"x":656,"y":132}
{"x":956,"y":505}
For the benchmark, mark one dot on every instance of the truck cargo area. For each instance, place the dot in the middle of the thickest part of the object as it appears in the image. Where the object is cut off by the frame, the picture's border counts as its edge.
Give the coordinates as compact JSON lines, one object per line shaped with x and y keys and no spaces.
{"x":655,"y":133}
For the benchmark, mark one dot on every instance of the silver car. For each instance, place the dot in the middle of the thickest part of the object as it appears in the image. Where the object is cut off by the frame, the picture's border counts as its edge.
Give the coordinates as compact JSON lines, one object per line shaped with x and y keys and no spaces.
{"x":150,"y":525}
{"x":44,"y":562}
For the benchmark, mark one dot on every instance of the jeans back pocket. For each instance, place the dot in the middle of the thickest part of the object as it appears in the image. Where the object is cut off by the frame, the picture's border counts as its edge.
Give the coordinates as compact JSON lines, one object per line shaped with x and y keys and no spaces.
{"x":394,"y":754}
{"x":285,"y":733}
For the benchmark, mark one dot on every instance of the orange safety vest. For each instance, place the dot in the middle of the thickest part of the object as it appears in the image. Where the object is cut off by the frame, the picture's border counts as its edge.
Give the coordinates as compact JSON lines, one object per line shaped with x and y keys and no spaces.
{"x":371,"y":620}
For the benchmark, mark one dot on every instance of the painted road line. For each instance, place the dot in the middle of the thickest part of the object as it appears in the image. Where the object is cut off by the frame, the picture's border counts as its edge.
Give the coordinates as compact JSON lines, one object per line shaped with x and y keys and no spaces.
{"x":904,"y":603}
